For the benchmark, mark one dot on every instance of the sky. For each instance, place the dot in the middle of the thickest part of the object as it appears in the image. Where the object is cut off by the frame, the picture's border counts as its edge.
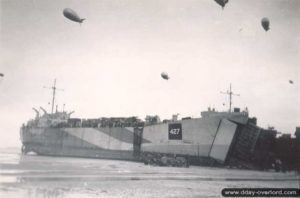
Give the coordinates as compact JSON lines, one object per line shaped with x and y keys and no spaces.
{"x":110,"y":65}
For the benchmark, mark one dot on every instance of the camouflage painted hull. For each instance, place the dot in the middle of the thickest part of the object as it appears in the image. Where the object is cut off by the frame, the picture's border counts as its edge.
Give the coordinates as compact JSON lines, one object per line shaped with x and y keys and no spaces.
{"x":210,"y":137}
{"x":111,"y":143}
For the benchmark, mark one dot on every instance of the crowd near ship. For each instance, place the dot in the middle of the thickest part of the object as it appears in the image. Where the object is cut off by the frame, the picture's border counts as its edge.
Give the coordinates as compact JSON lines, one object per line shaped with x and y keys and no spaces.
{"x":230,"y":138}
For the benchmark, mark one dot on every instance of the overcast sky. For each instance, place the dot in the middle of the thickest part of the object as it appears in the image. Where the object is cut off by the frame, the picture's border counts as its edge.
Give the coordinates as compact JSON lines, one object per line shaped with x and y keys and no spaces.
{"x":111,"y":64}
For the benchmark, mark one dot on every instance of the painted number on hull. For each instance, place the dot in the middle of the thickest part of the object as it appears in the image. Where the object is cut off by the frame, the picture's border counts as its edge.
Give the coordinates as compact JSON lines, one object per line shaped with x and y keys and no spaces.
{"x":175,"y":131}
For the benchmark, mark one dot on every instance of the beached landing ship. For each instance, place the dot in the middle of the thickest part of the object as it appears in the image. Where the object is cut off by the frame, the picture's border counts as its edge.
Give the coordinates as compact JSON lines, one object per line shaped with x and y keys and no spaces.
{"x":216,"y":138}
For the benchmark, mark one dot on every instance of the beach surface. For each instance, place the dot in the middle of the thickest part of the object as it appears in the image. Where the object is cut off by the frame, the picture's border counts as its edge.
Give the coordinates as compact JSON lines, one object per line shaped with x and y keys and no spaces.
{"x":44,"y":176}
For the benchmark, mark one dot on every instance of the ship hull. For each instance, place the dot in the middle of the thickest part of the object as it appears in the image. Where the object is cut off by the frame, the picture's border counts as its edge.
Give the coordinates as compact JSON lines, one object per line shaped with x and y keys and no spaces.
{"x":109,"y":143}
{"x":197,"y":139}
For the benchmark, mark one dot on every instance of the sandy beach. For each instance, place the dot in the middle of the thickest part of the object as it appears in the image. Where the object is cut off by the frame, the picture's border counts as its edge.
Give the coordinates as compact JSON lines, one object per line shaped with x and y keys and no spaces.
{"x":43,"y":176}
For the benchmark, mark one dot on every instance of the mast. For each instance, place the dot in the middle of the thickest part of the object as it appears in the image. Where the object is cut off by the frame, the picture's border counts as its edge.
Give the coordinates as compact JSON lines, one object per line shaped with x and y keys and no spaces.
{"x":54,"y":89}
{"x":53,"y":95}
{"x":230,"y":93}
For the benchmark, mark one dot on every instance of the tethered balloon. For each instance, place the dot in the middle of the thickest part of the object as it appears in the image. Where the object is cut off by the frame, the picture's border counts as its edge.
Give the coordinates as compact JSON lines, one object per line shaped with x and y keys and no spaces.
{"x":265,"y":23}
{"x":165,"y":76}
{"x":72,"y":15}
{"x":222,"y":3}
{"x":1,"y":77}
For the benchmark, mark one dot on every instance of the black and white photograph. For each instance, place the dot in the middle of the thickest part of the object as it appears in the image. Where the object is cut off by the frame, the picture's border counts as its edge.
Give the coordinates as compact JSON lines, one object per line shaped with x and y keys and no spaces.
{"x":149,"y":98}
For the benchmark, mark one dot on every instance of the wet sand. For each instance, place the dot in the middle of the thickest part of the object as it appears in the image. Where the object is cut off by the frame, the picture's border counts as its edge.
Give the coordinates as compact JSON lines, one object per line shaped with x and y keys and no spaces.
{"x":42,"y":176}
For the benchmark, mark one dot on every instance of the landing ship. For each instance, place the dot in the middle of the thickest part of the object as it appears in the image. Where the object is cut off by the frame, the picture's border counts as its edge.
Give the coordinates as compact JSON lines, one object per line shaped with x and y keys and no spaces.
{"x":214,"y":139}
